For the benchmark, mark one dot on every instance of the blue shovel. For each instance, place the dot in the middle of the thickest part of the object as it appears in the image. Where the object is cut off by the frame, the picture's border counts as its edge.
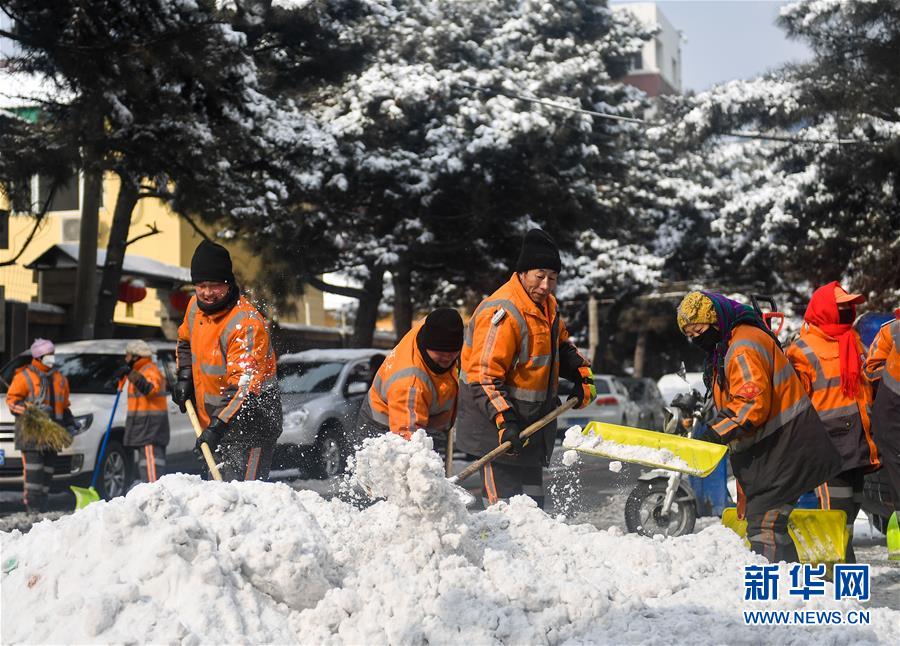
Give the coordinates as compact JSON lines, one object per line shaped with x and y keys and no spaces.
{"x":84,"y":497}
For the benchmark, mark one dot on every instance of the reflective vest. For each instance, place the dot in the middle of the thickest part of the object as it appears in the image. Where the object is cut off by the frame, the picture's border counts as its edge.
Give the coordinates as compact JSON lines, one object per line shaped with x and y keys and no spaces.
{"x":779,"y":447}
{"x":38,"y":384}
{"x":512,"y":357}
{"x":883,"y":361}
{"x":817,"y":361}
{"x":406,"y":395}
{"x":230,"y":355}
{"x":148,"y":419}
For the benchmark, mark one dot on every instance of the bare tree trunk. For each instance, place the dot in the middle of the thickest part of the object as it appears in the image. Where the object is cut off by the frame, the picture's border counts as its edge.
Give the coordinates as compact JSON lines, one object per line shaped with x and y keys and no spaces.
{"x":593,"y":329}
{"x":86,"y":275}
{"x":640,"y":353}
{"x":115,"y":256}
{"x":367,"y":311}
{"x":403,"y":311}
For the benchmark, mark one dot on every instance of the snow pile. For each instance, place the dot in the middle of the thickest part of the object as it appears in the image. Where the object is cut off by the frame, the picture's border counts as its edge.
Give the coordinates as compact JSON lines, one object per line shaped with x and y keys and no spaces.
{"x":199,"y":562}
{"x":595,"y":443}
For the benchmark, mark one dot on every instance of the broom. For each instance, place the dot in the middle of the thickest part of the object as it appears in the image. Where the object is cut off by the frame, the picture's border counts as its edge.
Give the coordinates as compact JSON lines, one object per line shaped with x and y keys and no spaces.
{"x":37,"y":429}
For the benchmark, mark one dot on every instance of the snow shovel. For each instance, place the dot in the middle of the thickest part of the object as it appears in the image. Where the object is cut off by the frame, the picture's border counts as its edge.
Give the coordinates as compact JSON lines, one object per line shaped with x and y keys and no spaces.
{"x":506,"y":446}
{"x":207,"y":454}
{"x":84,"y":497}
{"x":448,"y":463}
{"x":650,"y":448}
{"x":820,"y":535}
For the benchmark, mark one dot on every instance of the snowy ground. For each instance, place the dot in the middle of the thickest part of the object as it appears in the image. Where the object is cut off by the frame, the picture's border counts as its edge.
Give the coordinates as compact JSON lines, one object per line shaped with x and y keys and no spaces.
{"x":199,"y":562}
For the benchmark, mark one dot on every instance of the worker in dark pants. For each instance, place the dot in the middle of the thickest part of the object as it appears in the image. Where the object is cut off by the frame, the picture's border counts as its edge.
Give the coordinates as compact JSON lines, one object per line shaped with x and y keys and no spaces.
{"x":39,"y":384}
{"x":147,"y":424}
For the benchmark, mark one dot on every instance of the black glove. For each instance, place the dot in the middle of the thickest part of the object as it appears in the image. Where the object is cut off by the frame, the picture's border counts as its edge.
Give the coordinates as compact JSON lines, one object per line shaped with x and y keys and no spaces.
{"x":121,"y":371}
{"x":508,"y":429}
{"x":706,"y":434}
{"x":183,"y":389}
{"x":211,"y":436}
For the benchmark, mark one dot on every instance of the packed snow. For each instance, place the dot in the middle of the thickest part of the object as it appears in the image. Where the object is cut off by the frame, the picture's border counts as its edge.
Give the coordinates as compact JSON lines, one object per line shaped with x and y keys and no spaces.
{"x":594,"y":443}
{"x":202,"y":562}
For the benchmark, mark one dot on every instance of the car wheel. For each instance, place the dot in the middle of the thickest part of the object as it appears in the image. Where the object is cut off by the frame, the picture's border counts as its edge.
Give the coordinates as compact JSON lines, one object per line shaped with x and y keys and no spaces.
{"x":115,"y":473}
{"x":330,"y":457}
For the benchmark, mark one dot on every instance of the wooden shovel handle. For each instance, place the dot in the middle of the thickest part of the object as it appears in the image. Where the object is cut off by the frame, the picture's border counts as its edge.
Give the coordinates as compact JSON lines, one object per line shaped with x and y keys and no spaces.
{"x":506,"y":446}
{"x":448,"y":465}
{"x":207,"y":454}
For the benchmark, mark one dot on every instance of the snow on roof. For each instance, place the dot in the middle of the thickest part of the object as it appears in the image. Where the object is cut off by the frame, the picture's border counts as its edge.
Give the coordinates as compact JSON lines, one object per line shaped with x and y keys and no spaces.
{"x":238,"y":550}
{"x":331,"y":354}
{"x":133,"y":264}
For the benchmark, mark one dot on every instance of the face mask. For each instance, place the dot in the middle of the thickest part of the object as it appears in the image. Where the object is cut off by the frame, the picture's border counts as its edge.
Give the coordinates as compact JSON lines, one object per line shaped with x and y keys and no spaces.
{"x":48,"y":360}
{"x":708,"y":340}
{"x":845,"y":316}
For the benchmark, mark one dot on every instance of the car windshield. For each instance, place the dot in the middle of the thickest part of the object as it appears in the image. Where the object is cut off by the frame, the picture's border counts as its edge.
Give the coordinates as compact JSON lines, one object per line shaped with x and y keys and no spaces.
{"x":308,"y":377}
{"x":88,"y":374}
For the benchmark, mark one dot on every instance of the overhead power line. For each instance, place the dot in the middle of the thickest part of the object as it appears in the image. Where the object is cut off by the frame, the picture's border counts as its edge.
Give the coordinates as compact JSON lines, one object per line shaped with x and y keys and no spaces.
{"x":659,"y":124}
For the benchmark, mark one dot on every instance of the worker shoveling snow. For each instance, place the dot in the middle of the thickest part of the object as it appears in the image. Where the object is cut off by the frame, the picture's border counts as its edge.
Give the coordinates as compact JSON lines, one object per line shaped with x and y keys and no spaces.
{"x":202,"y":562}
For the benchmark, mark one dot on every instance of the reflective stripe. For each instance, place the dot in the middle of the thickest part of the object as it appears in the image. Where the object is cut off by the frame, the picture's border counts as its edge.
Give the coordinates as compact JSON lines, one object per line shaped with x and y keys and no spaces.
{"x":748,"y":344}
{"x":821,"y":383}
{"x":777,"y":422}
{"x":378,"y":416}
{"x":851,"y":410}
{"x":888,"y":380}
{"x":137,"y":414}
{"x":840,"y":492}
{"x":745,"y":369}
{"x":462,"y":376}
{"x":192,"y":314}
{"x":540,"y":360}
{"x":213,"y":370}
{"x":783,"y":376}
{"x":512,"y":310}
{"x":526,"y":394}
{"x":411,"y":407}
{"x":405,"y":372}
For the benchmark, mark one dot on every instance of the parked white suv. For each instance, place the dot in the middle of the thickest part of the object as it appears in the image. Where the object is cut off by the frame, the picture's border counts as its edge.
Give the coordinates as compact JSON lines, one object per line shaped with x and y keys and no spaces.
{"x":89,"y":366}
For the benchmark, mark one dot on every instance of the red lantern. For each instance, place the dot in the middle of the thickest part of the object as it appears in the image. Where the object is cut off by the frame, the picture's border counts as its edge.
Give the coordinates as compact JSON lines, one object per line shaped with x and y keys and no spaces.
{"x":179,"y":300}
{"x":131,"y":292}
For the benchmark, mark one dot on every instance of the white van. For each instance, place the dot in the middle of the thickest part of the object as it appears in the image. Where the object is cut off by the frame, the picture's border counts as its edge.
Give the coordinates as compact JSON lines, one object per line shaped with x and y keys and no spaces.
{"x":89,"y":366}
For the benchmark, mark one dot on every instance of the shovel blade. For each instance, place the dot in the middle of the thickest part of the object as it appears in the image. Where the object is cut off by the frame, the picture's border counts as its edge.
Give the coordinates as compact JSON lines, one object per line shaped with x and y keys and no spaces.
{"x":84,"y":496}
{"x":820,"y":535}
{"x":696,"y":458}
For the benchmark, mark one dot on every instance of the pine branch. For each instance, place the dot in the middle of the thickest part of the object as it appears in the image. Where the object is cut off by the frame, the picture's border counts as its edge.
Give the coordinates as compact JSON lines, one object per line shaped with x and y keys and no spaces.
{"x":38,"y":219}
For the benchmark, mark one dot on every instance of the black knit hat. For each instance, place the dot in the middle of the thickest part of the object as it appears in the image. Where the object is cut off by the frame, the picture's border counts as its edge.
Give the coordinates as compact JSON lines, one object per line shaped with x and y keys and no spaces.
{"x":211,"y":262}
{"x":443,"y":330}
{"x":538,"y":252}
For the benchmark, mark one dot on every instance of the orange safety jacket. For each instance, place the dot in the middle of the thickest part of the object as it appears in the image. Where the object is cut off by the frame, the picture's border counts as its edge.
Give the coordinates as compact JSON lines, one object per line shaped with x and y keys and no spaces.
{"x":779,"y":447}
{"x":148,"y":419}
{"x":35,"y":383}
{"x":407,"y":394}
{"x":817,"y":361}
{"x":513,"y":354}
{"x":883,"y":361}
{"x":230,"y":356}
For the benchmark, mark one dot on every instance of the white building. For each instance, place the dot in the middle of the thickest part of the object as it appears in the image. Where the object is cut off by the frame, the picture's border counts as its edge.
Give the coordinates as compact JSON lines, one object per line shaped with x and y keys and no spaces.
{"x":657,"y":68}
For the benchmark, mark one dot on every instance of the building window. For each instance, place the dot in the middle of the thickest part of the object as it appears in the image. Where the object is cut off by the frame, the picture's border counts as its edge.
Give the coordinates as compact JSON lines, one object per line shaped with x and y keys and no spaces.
{"x":636,"y":62}
{"x":66,"y":197}
{"x":4,"y":229}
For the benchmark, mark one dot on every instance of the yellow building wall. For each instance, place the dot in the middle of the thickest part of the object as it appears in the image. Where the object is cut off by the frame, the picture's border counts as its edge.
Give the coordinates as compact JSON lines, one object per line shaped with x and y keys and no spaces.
{"x":174,"y":245}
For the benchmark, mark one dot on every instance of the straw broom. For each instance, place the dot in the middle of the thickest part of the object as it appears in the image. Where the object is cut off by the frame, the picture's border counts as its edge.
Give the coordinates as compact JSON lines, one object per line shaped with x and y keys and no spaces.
{"x":37,"y":429}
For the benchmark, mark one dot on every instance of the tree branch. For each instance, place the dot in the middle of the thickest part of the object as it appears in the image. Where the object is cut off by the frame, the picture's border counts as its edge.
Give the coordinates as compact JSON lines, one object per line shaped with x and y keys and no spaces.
{"x":39,"y":219}
{"x":340,"y":290}
{"x":196,"y":228}
{"x":152,"y":232}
